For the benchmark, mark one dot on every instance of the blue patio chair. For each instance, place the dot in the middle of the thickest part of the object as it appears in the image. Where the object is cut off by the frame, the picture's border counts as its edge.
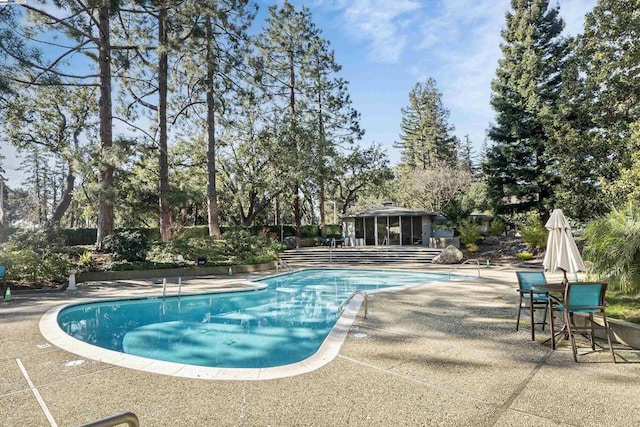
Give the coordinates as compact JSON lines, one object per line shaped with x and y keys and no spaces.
{"x":4,"y":282}
{"x":532,"y":298}
{"x":586,"y":298}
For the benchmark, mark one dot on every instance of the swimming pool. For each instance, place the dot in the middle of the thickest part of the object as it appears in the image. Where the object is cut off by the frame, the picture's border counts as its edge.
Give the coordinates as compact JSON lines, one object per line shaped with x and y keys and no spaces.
{"x":285,"y":323}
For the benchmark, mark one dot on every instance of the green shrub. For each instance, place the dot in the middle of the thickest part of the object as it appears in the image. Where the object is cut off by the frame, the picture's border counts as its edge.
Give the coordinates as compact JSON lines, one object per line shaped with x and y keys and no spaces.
{"x":533,"y":232}
{"x":612,"y":245}
{"x":194,"y":232}
{"x":310,"y":230}
{"x":238,"y":246}
{"x":525,"y":256}
{"x":469,"y":233}
{"x":29,"y":265}
{"x":334,"y":230}
{"x":78,"y":236}
{"x":496,"y":227}
{"x":190,"y":249}
{"x":127,"y":245}
{"x":85,"y":259}
{"x":472,"y":247}
{"x":35,"y":256}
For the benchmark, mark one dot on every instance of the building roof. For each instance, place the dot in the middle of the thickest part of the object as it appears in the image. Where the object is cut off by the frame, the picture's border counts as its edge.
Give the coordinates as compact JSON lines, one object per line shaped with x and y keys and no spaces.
{"x":391,"y":211}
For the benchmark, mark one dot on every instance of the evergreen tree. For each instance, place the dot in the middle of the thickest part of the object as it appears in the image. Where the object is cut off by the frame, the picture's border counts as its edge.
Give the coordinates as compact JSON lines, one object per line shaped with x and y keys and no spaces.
{"x":525,"y":92}
{"x":87,"y":25}
{"x":467,"y":156}
{"x":337,"y":122}
{"x":601,"y":115}
{"x":150,"y":27}
{"x":213,"y":72}
{"x":426,"y":137}
{"x":284,"y":47}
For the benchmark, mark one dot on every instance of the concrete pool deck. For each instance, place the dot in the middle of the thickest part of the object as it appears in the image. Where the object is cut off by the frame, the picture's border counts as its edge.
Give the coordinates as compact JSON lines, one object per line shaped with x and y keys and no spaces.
{"x":438,"y":354}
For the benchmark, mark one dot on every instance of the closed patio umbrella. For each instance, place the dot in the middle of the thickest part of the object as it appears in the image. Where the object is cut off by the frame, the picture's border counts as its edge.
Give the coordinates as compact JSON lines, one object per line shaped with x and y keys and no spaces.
{"x":562,"y":252}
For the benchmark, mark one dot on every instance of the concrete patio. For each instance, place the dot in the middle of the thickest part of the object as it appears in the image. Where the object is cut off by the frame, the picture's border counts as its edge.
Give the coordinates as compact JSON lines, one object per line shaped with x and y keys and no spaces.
{"x":439,"y":354}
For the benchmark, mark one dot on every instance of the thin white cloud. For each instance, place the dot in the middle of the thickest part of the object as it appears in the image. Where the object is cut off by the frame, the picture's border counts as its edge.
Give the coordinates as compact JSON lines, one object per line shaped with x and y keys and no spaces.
{"x":572,"y":12}
{"x":384,"y":25}
{"x":462,"y":41}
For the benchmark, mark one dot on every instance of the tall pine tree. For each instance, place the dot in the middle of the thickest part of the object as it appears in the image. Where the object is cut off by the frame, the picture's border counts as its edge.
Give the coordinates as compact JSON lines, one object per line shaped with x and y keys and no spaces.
{"x":426,"y":137}
{"x":524,"y":97}
{"x":605,"y":108}
{"x":284,"y":48}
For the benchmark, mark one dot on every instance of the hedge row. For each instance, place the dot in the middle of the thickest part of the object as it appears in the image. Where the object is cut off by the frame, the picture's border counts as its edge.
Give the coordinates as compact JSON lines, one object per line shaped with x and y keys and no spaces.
{"x":87,"y":236}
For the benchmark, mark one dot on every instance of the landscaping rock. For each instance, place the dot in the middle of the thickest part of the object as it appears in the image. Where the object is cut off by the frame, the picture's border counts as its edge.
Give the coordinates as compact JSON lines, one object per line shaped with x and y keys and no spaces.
{"x":491,"y":240}
{"x":449,"y":255}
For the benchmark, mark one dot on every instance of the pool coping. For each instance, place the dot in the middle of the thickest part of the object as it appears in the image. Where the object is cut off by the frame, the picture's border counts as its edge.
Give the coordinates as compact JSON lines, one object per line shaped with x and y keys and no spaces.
{"x":328,"y":351}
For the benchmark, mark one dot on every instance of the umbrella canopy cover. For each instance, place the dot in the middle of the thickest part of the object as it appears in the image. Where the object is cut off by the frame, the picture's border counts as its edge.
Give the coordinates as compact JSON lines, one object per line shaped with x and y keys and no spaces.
{"x":562,"y":252}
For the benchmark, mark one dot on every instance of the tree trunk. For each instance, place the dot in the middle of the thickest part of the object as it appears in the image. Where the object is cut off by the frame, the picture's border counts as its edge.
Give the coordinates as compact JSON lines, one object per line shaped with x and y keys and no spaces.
{"x":105,"y":198}
{"x":65,"y":201}
{"x":212,"y":196}
{"x":163,"y":164}
{"x":294,"y":143}
{"x":321,"y":169}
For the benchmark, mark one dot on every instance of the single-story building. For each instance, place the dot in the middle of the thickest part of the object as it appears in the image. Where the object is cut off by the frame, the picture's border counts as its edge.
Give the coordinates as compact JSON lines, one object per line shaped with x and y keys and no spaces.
{"x":394,"y":226}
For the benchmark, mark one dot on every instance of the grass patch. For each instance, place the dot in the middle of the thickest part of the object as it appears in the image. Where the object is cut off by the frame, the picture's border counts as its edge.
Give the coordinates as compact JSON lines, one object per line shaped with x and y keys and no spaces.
{"x":623,"y":306}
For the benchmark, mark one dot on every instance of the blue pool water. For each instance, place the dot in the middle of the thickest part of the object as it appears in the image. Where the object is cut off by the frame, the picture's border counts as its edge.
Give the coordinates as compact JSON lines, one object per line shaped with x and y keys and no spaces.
{"x":284,"y":323}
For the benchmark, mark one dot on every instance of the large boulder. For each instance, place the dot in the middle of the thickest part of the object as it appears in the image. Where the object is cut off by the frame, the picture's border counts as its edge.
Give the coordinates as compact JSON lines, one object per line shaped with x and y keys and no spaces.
{"x":449,"y":255}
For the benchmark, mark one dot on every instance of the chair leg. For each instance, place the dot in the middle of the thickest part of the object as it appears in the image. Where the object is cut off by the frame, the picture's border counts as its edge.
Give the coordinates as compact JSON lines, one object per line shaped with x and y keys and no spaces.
{"x":608,"y":331}
{"x":552,"y":328}
{"x":533,"y":324}
{"x":592,"y":336}
{"x":519,"y":310}
{"x":544,"y":319}
{"x":569,"y":323}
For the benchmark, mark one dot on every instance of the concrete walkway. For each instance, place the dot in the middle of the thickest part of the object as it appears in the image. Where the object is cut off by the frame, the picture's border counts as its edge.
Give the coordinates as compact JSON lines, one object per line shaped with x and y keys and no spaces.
{"x":441,"y":354}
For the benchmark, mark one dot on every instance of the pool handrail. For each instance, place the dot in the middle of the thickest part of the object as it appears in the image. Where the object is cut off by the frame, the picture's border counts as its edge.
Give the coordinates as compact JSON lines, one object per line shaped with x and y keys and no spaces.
{"x":284,"y":264}
{"x":115,"y":420}
{"x":353,"y":294}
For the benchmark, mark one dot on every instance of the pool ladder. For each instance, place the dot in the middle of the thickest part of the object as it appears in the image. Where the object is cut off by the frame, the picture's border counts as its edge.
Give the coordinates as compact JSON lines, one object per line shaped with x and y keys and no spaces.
{"x":466,"y":262}
{"x":128,"y":418}
{"x":285,"y":266}
{"x":350,"y":297}
{"x":164,"y":287}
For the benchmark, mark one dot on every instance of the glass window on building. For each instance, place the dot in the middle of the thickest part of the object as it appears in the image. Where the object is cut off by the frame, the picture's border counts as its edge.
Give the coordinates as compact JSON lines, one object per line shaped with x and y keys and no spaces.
{"x":416,"y":223}
{"x":383,"y":230}
{"x":369,"y":231}
{"x":394,"y":230}
{"x":405,"y":226}
{"x":359,"y":228}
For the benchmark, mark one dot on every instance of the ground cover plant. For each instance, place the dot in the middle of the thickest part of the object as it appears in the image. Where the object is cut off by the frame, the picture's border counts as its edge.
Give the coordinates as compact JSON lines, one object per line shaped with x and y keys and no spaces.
{"x":36,"y":258}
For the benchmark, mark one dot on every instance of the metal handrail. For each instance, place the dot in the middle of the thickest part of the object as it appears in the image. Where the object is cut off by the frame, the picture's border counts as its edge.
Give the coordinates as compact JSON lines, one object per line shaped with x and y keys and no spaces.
{"x":127,"y":417}
{"x":332,"y":246}
{"x":465,"y":262}
{"x":285,"y":265}
{"x":353,"y":294}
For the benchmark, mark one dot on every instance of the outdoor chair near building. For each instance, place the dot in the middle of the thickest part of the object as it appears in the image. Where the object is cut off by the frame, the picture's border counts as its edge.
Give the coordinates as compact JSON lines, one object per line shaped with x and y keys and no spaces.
{"x":530,"y":298}
{"x":3,"y":282}
{"x":587,"y":299}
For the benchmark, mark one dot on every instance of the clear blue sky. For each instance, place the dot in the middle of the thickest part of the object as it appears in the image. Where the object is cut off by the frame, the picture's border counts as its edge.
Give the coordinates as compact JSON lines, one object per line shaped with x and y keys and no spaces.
{"x":386,"y":46}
